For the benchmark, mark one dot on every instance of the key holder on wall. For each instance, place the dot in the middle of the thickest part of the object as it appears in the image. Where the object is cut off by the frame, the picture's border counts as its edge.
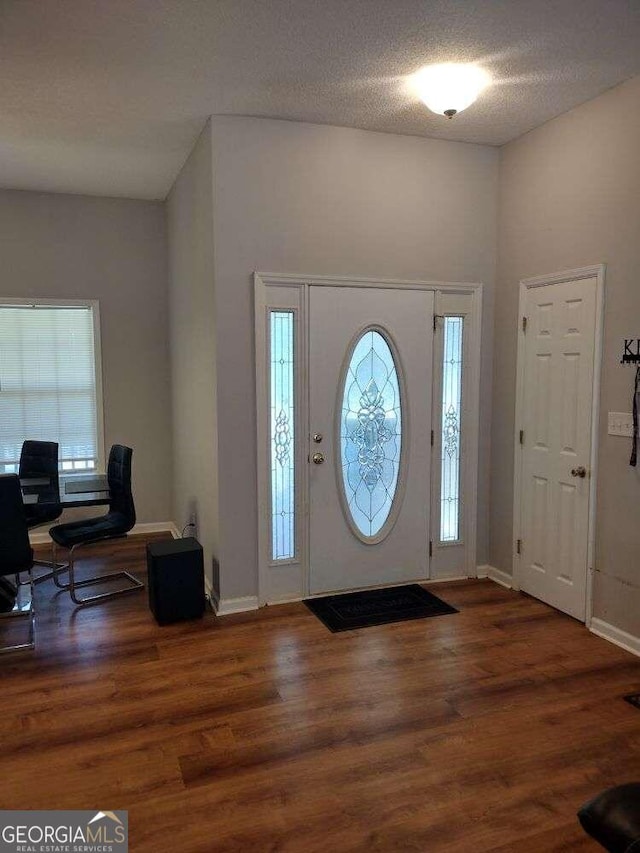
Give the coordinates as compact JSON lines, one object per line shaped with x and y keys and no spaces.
{"x":631,"y":355}
{"x":631,"y":351}
{"x":634,"y":441}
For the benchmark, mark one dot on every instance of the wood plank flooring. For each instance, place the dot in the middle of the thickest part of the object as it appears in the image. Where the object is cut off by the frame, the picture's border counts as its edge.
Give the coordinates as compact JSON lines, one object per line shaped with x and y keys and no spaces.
{"x":262,"y":732}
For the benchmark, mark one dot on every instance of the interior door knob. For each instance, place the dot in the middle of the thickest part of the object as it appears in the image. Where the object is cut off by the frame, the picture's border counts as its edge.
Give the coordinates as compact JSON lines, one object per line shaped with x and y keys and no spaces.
{"x":580,"y":471}
{"x":317,"y":458}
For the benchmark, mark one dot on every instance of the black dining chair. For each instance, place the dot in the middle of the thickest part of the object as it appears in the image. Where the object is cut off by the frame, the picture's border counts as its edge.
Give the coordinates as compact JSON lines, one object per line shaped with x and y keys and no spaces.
{"x":115,"y":524}
{"x":16,"y":557}
{"x":39,"y":460}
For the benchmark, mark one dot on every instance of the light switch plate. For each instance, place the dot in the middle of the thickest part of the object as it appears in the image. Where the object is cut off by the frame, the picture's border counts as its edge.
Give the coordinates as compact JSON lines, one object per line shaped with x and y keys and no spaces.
{"x":621,"y":423}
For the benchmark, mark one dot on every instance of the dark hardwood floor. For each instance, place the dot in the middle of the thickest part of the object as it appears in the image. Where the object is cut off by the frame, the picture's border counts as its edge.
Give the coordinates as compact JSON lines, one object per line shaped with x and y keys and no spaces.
{"x":482,"y":731}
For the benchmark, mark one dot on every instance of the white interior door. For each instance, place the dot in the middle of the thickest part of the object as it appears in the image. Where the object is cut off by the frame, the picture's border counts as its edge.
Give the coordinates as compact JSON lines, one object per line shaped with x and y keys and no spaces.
{"x":370,"y":381}
{"x":557,"y":394}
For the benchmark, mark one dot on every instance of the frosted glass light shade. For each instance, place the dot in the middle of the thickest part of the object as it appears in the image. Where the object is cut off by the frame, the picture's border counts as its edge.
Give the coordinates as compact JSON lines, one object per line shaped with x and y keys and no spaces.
{"x":449,"y":88}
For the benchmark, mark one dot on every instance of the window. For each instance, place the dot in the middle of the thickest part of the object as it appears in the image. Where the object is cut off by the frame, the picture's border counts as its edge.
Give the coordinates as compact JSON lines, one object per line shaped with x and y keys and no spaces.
{"x":370,"y":433}
{"x":50,"y":381}
{"x":450,"y":435}
{"x":282,"y":405}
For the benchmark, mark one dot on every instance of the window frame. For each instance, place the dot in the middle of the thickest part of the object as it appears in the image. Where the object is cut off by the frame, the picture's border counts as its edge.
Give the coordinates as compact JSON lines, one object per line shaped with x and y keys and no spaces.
{"x":458,"y":559}
{"x":439,"y":418}
{"x":294,"y":556}
{"x":94,"y":306}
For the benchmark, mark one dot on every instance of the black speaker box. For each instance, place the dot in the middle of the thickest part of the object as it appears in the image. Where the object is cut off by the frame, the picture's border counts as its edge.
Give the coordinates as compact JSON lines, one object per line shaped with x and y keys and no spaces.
{"x":176,"y":579}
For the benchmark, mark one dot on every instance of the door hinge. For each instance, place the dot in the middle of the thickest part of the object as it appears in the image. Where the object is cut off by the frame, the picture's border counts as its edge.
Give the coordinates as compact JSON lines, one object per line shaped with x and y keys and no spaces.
{"x":519,"y":546}
{"x":521,"y":436}
{"x":435,"y":322}
{"x":430,"y":548}
{"x":524,"y":324}
{"x":432,"y":438}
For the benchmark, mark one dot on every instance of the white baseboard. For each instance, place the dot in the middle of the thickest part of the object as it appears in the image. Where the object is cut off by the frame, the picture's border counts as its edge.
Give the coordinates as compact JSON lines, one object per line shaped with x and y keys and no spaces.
{"x":227,"y":606}
{"x":293,"y":598}
{"x":444,"y":579}
{"x":42,"y":537}
{"x":621,"y":638}
{"x":495,"y":575}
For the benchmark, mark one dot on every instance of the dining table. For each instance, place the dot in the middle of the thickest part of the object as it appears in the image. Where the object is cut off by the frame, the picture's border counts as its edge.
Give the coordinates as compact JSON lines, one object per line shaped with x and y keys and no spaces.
{"x":70,"y":493}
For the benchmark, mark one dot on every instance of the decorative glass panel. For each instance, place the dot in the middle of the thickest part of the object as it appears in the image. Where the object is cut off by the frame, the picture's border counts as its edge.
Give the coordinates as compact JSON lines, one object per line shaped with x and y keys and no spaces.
{"x":371,"y":433}
{"x":450,"y":438}
{"x":283,"y":544}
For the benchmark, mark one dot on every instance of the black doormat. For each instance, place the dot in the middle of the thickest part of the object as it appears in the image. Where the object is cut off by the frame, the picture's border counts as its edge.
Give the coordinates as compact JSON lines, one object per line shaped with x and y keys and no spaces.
{"x":633,"y":699}
{"x":377,"y":607}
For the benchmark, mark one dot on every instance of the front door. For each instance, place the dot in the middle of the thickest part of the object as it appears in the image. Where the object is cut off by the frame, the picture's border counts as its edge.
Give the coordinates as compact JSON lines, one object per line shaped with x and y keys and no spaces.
{"x":370,"y":382}
{"x":557,"y":392}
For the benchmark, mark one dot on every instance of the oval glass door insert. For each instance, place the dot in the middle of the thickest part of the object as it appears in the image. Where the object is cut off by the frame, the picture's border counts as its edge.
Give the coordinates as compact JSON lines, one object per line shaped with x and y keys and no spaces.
{"x":370,"y":434}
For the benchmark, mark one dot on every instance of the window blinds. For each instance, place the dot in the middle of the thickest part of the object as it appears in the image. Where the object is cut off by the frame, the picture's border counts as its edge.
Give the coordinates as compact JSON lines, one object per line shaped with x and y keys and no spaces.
{"x":48,"y":382}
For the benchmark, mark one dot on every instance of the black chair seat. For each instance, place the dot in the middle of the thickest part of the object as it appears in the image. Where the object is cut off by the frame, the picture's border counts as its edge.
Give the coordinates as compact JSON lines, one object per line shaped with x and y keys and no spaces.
{"x":24,"y":564}
{"x":613,"y":818}
{"x":90,"y":529}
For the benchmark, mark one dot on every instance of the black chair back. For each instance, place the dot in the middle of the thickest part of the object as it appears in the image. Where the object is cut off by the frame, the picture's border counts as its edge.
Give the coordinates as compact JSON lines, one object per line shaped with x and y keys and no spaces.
{"x":119,"y":477}
{"x":16,"y":554}
{"x":40,"y":459}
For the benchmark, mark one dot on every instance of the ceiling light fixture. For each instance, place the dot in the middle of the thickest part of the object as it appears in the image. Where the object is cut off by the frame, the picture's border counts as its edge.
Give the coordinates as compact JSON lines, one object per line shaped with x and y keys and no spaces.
{"x":449,"y":88}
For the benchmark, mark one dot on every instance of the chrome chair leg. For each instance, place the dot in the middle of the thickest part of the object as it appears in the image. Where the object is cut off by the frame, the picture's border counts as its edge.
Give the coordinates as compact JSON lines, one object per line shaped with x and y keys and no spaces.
{"x":48,"y":575}
{"x":73,"y":584}
{"x":51,"y":564}
{"x":22,"y":609}
{"x":56,"y":568}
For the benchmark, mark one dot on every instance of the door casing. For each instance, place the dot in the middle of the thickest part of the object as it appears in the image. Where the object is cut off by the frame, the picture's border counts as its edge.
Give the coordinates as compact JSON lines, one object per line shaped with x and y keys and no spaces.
{"x":596,"y":272}
{"x":289,"y":580}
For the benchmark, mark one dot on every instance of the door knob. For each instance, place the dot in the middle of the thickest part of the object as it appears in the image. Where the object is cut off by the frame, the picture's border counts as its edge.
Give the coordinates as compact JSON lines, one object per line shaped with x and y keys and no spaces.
{"x":317,"y":437}
{"x":580,"y":471}
{"x":317,"y":458}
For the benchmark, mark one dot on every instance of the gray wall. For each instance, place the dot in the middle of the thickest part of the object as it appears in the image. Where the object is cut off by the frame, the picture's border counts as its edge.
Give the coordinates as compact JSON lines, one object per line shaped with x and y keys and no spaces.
{"x":193,"y":347}
{"x":112,"y":250}
{"x":301,"y":198}
{"x":570,"y":197}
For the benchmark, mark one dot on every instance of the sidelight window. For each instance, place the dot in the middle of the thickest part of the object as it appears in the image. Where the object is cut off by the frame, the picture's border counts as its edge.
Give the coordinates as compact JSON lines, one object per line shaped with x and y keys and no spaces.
{"x":282,"y":413}
{"x":450,"y":430}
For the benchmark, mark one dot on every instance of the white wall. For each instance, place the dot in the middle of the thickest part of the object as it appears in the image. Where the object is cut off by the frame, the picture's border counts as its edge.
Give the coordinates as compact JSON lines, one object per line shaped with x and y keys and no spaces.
{"x":301,"y":198}
{"x":570,"y":197}
{"x":193,"y":348}
{"x":113,"y":250}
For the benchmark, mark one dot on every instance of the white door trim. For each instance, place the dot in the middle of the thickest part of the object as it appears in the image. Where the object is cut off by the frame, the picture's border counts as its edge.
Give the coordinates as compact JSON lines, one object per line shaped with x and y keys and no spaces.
{"x":470,"y":420}
{"x":294,"y":590}
{"x":597,"y":272}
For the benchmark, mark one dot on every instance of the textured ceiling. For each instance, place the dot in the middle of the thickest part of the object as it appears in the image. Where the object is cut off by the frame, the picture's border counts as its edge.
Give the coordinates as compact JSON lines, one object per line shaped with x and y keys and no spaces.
{"x":107,"y":96}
